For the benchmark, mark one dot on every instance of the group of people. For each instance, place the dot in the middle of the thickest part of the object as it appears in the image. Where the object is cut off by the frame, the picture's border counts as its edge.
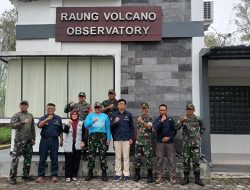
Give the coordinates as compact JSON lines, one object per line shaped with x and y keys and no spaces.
{"x":92,"y":131}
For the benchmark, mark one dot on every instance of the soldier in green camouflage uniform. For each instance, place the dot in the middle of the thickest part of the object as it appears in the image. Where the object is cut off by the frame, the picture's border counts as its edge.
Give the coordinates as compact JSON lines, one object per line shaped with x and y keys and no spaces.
{"x":192,"y":129}
{"x":23,"y":123}
{"x":143,"y":144}
{"x":83,"y":109}
{"x":110,"y":105}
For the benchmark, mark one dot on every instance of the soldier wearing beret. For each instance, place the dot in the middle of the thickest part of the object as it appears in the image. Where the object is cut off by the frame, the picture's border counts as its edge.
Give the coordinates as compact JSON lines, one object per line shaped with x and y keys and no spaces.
{"x":192,"y":129}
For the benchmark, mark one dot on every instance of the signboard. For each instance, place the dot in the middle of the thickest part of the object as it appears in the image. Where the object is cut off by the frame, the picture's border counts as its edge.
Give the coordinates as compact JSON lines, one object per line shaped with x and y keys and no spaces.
{"x":108,"y":24}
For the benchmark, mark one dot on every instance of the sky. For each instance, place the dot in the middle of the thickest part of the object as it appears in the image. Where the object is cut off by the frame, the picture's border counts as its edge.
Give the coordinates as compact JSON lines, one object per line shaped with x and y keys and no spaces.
{"x":224,"y":15}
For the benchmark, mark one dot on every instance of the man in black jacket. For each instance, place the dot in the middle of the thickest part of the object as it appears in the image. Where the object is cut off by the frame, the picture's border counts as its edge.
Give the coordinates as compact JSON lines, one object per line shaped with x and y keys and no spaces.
{"x":165,"y":129}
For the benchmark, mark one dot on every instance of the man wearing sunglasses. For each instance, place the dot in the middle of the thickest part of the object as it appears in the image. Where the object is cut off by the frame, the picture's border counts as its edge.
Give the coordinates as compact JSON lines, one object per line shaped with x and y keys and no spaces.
{"x":99,"y":137}
{"x":192,"y":129}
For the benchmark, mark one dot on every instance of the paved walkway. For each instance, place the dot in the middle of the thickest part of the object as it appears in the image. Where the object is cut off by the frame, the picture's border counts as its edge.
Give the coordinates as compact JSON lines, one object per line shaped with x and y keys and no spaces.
{"x":225,"y":183}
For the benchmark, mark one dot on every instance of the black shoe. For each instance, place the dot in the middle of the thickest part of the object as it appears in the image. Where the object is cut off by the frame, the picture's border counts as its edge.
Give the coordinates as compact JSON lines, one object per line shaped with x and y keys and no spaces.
{"x":90,"y":175}
{"x":137,"y":176}
{"x":185,"y":179}
{"x":27,"y":178}
{"x":104,"y":175}
{"x":198,"y":179}
{"x":13,"y":181}
{"x":150,"y":176}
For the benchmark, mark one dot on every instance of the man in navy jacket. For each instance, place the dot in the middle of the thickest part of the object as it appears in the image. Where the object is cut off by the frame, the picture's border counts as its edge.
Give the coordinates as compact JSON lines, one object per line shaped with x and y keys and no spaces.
{"x":123,"y":134}
{"x":165,"y":129}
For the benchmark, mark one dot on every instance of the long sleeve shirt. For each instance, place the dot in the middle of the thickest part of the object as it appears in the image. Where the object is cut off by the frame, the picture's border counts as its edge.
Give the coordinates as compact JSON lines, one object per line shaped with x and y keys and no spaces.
{"x":165,"y":129}
{"x":24,"y":131}
{"x":123,"y":130}
{"x":102,"y":125}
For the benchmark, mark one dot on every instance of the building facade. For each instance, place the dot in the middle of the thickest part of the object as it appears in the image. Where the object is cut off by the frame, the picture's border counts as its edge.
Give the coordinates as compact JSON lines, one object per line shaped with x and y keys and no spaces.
{"x":44,"y":69}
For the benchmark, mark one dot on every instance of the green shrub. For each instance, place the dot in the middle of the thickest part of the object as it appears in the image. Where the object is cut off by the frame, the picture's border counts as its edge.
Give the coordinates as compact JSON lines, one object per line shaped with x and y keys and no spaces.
{"x":5,"y":136}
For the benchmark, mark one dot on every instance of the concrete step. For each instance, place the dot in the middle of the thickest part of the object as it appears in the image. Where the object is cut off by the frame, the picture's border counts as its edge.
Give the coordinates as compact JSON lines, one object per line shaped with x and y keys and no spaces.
{"x":230,"y":170}
{"x":5,"y":166}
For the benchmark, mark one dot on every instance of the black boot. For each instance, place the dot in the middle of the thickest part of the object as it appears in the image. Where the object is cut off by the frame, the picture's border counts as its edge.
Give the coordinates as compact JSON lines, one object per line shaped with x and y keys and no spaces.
{"x":185,"y":179}
{"x":12,"y":180}
{"x":90,"y":175}
{"x":150,"y":176}
{"x":137,"y":176}
{"x":104,"y":175}
{"x":198,"y":179}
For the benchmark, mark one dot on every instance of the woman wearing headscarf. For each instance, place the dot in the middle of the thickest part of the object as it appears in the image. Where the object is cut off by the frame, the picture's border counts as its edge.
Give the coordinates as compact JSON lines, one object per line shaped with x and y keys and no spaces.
{"x":74,"y":141}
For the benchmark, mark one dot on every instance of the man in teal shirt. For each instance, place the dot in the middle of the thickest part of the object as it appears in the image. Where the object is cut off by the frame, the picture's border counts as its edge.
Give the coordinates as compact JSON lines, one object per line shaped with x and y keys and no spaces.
{"x":99,"y":136}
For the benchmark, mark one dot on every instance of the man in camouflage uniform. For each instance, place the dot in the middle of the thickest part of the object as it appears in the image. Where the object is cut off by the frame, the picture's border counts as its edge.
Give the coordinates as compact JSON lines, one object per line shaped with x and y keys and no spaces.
{"x":83,"y":109}
{"x":99,"y":137}
{"x":110,"y":105}
{"x":192,"y":129}
{"x":23,"y":123}
{"x":143,"y":144}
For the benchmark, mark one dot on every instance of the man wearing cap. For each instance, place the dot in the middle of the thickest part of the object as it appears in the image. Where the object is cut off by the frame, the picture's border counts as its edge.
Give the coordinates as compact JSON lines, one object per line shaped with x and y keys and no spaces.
{"x":83,"y":109}
{"x":192,"y":129}
{"x":143,"y":144}
{"x":110,"y":105}
{"x":165,"y":130}
{"x":82,"y":106}
{"x":23,"y":123}
{"x":99,"y":136}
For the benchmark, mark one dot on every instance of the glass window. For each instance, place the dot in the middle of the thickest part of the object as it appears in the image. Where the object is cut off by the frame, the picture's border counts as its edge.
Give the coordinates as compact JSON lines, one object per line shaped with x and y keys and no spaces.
{"x":102,"y":78}
{"x":13,"y":91}
{"x":56,"y":83}
{"x":33,"y":85}
{"x":79,"y":78}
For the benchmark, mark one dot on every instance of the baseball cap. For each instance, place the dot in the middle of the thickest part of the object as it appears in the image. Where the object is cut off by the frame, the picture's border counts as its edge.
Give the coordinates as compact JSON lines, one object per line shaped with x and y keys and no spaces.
{"x":24,"y":102}
{"x":190,"y":106}
{"x":97,"y":104}
{"x":111,"y":91}
{"x":144,"y":105}
{"x":82,"y":94}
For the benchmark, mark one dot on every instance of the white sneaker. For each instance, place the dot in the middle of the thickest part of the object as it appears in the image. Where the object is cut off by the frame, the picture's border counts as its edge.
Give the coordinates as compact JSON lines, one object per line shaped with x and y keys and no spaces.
{"x":68,"y":180}
{"x":74,"y":179}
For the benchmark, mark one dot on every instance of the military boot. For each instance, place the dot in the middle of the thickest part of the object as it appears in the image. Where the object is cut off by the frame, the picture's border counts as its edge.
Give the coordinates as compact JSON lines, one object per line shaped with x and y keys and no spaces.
{"x":90,"y":175}
{"x":12,"y":180}
{"x":137,"y":176}
{"x":185,"y":179}
{"x":104,"y":175}
{"x":198,"y":179}
{"x":150,"y":176}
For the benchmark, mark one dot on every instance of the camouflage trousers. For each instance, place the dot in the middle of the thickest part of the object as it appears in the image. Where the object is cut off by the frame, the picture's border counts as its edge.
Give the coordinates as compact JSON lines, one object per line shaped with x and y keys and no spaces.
{"x":188,"y":153}
{"x":97,"y":141}
{"x":146,"y":151}
{"x":25,"y":149}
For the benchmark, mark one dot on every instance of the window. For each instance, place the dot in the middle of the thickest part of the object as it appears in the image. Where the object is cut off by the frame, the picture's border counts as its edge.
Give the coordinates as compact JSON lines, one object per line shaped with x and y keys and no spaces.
{"x":229,"y":109}
{"x":41,"y":80}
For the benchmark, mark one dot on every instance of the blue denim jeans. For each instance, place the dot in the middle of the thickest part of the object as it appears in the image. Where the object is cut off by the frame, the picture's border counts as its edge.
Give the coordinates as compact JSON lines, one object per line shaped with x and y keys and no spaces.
{"x":48,"y":146}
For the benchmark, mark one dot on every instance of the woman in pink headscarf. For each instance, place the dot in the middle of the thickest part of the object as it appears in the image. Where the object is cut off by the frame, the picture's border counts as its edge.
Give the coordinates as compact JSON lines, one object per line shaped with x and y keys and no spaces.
{"x":74,"y":141}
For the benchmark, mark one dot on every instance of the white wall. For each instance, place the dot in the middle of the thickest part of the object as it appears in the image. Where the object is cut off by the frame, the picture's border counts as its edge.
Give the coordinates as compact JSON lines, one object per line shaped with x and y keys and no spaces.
{"x":197,"y":45}
{"x":237,"y":144}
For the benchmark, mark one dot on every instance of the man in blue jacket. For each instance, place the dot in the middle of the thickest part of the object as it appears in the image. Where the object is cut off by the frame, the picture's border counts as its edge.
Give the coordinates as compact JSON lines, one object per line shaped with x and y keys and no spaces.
{"x":165,"y":129}
{"x":123,"y":135}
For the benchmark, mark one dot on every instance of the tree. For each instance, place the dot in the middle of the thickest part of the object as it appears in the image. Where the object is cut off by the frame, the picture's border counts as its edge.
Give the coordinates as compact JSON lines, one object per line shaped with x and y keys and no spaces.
{"x":212,"y":40}
{"x":8,"y":27}
{"x":243,"y":19}
{"x":7,"y":43}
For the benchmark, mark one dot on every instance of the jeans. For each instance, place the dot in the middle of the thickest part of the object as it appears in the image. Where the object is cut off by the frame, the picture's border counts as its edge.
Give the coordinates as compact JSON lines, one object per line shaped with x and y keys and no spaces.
{"x":49,"y":146}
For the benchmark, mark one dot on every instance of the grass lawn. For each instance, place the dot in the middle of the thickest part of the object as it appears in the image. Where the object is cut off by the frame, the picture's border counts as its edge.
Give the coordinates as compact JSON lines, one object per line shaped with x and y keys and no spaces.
{"x":5,"y":136}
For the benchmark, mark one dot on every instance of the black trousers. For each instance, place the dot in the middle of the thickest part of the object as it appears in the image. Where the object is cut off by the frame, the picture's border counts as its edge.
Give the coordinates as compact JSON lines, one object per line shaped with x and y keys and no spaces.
{"x":72,"y":162}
